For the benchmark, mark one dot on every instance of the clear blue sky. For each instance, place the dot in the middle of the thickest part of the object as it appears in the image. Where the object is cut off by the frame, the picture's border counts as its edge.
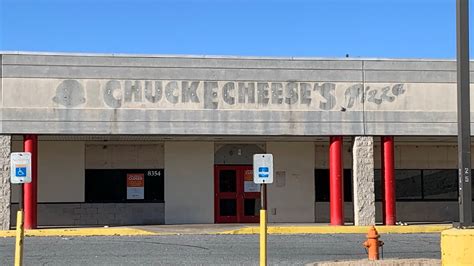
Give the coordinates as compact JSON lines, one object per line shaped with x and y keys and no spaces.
{"x":322,"y":28}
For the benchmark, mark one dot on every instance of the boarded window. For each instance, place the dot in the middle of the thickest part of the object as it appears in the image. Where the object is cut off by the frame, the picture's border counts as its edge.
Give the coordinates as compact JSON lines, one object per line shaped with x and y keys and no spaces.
{"x":408,"y":184}
{"x":110,"y":185}
{"x":440,"y":184}
{"x":421,"y":185}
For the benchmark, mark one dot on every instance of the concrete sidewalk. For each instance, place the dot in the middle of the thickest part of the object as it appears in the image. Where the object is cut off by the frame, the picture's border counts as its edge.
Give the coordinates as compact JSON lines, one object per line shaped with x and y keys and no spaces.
{"x":383,"y":262}
{"x":227,"y":229}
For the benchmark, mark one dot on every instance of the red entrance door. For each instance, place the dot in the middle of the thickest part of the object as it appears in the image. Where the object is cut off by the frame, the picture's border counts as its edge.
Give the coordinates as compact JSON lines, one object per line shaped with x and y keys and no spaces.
{"x":237,"y":198}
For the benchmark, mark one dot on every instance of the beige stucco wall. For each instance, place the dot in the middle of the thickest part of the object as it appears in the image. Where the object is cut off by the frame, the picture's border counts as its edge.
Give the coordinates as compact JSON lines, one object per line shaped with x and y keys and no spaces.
{"x":293,"y":198}
{"x":189,"y":182}
{"x":423,"y":155}
{"x":60,"y":171}
{"x":124,"y":155}
{"x":321,"y":157}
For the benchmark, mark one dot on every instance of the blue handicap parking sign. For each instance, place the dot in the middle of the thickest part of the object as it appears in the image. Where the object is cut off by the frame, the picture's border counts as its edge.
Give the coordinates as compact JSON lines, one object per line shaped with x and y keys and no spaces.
{"x":263,"y":172}
{"x":20,"y":167}
{"x":263,"y":168}
{"x":20,"y":171}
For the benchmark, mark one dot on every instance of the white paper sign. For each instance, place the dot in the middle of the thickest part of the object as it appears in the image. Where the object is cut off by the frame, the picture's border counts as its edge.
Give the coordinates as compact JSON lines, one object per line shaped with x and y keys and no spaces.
{"x":250,"y":186}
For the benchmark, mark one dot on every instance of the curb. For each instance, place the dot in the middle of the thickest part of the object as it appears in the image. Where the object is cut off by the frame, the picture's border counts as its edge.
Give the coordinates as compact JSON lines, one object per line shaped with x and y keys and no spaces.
{"x":80,"y":232}
{"x":251,"y":230}
{"x":412,"y":229}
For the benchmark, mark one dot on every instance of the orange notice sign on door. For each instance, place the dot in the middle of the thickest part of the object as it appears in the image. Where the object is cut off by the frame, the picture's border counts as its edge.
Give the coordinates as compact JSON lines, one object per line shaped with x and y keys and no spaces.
{"x":135,"y":186}
{"x":248,"y":175}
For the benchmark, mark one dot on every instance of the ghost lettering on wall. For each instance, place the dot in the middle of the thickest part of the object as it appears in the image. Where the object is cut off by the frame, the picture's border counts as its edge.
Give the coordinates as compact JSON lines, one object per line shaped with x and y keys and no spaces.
{"x":70,"y":93}
{"x":229,"y":94}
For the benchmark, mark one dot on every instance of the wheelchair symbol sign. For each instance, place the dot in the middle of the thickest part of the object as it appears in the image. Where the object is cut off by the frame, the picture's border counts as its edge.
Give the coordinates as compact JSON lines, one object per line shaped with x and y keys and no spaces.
{"x":20,"y":167}
{"x":20,"y":171}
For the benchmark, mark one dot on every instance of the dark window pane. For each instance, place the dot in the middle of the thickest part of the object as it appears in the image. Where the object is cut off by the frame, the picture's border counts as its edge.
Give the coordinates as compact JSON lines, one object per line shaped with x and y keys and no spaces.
{"x":408,"y":184}
{"x":321,"y":182}
{"x":154,"y":185}
{"x":347,"y":185}
{"x":228,"y":207}
{"x":251,"y":207}
{"x":378,"y":184}
{"x":105,"y":186}
{"x":440,"y":184}
{"x":227,"y":181}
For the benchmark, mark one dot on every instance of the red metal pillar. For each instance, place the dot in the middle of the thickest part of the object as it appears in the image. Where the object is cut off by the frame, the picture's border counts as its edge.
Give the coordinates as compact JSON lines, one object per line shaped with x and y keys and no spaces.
{"x":388,"y":173}
{"x":336,"y":193}
{"x":382,"y":180}
{"x":30,"y":144}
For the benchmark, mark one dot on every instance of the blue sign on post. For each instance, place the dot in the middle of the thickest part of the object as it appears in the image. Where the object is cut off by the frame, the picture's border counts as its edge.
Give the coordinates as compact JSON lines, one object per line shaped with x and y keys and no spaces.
{"x":263,"y":168}
{"x":20,"y":167}
{"x":263,"y":172}
{"x":20,"y":171}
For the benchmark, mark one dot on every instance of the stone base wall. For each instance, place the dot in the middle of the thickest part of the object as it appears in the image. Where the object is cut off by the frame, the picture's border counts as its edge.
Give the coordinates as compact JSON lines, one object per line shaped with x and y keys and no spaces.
{"x":70,"y":214}
{"x":322,"y":214}
{"x":5,"y":191}
{"x":407,"y":211}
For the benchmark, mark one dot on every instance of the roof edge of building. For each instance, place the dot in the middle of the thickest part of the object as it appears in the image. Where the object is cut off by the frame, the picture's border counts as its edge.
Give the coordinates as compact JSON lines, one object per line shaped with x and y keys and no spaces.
{"x":295,"y":58}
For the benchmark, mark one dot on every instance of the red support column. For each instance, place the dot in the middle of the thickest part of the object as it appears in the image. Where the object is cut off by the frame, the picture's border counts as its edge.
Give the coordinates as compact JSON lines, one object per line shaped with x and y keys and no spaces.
{"x":382,"y":180}
{"x":389,"y":201}
{"x":336,"y":193}
{"x":30,"y":144}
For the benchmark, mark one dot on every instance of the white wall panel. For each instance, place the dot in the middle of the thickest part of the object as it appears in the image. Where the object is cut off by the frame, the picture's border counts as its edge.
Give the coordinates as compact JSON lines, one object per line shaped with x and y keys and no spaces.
{"x":61,"y":171}
{"x":189,"y":182}
{"x":293,"y":202}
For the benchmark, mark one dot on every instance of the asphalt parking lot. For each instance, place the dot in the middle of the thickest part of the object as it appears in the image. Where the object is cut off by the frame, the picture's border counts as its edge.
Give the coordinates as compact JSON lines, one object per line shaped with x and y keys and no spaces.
{"x":212,"y":249}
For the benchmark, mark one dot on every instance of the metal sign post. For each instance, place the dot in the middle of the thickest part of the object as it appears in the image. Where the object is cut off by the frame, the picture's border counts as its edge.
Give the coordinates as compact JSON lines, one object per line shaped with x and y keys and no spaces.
{"x":263,"y":226}
{"x":464,"y":121}
{"x":20,"y":232}
{"x":20,"y":173}
{"x":263,"y":174}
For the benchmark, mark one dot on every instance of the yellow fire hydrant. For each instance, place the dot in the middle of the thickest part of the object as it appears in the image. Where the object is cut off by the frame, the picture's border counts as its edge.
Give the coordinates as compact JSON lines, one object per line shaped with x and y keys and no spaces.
{"x":373,"y":244}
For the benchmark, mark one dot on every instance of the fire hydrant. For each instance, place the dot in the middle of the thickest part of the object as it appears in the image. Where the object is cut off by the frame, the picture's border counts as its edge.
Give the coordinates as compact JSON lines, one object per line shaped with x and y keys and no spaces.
{"x":373,"y":243}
